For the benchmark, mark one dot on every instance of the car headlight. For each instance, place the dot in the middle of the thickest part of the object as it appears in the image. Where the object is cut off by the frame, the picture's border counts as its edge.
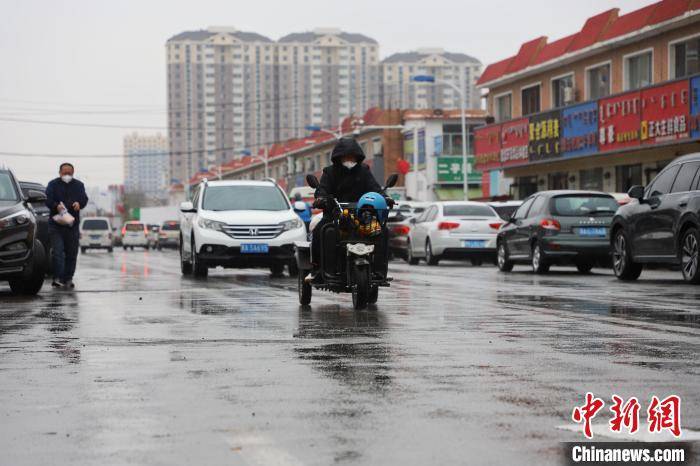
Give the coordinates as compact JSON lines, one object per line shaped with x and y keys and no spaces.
{"x":292,"y":224}
{"x":15,"y":219}
{"x":210,"y":224}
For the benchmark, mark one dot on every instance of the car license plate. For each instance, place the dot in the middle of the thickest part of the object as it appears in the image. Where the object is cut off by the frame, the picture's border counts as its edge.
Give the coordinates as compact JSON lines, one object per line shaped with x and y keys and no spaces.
{"x":254,"y":248}
{"x":473,"y":243}
{"x":97,"y":237}
{"x":592,"y":231}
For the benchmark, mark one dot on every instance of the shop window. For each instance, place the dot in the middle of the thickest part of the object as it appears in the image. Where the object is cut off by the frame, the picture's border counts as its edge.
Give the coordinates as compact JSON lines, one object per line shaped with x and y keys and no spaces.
{"x":685,"y":58}
{"x":591,"y":179}
{"x":503,"y":107}
{"x":530,"y":98}
{"x":527,"y":185}
{"x":558,"y":180}
{"x":563,"y":91}
{"x":638,"y":70}
{"x":598,"y":82}
{"x":627,"y":176}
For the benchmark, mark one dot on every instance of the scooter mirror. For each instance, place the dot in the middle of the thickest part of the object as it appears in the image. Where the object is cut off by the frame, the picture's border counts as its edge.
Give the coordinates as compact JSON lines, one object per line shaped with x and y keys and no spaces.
{"x":391,"y":181}
{"x":312,"y":181}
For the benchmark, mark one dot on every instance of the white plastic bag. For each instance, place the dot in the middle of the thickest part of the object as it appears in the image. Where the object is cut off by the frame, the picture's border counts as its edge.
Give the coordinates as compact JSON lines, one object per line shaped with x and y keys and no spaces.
{"x":63,"y":217}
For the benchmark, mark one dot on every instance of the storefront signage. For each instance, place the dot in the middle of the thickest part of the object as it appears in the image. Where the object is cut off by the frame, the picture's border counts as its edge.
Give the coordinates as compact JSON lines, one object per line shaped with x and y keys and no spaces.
{"x":619,"y":119}
{"x":487,"y":145}
{"x":665,"y":111}
{"x":579,"y":130}
{"x":544,"y":134}
{"x":514,"y":142}
{"x":449,"y":170}
{"x":694,"y":119}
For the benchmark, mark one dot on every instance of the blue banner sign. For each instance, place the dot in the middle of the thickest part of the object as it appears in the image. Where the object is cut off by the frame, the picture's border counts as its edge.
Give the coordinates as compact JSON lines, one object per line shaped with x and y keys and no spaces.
{"x":579,"y":130}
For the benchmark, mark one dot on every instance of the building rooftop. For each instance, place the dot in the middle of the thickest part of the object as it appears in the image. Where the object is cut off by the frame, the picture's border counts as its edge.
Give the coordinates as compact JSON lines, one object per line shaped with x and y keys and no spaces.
{"x":601,"y":28}
{"x":417,"y":55}
{"x":311,"y":36}
{"x":204,"y":34}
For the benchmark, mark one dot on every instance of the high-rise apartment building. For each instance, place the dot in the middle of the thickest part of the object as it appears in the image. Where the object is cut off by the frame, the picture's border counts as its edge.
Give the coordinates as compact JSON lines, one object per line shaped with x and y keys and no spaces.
{"x":457,"y":68}
{"x":146,"y":166}
{"x":325,"y":75}
{"x":221,"y":97}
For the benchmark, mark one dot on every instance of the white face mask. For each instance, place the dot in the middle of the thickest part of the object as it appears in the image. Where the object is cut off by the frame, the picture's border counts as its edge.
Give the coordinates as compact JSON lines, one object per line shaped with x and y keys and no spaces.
{"x":349,"y":165}
{"x":66,"y":178}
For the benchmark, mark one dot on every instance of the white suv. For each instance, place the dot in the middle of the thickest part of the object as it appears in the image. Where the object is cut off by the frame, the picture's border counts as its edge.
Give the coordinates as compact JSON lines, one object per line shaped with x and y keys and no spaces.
{"x":238,"y":224}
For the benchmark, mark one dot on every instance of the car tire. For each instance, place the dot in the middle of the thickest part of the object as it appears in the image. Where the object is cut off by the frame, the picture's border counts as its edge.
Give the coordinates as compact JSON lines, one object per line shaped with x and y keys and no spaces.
{"x":584,"y":267}
{"x":305,"y":289}
{"x":410,"y":258}
{"x":124,"y":247}
{"x":476,"y":262}
{"x":199,"y":270}
{"x":32,"y":279}
{"x":623,"y":266}
{"x":185,"y":266}
{"x":504,"y":264}
{"x":277,"y":269}
{"x":430,"y":258}
{"x":292,"y":268}
{"x":110,"y":250}
{"x":82,"y":250}
{"x":690,"y":251}
{"x":538,"y":261}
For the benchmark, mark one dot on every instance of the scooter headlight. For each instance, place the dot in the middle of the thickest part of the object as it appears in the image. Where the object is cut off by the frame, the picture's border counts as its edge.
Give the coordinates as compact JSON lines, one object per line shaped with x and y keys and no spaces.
{"x":360,"y":249}
{"x":292,"y":224}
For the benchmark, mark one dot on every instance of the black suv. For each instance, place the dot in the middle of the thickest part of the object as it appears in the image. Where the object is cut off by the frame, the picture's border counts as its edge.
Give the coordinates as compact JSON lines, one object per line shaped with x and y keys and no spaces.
{"x":23,"y":260}
{"x":557,"y":228}
{"x":663,"y":225}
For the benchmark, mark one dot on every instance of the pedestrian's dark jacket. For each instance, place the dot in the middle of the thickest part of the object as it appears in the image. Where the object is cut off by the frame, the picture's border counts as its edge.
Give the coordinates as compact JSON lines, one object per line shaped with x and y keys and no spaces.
{"x":343,"y":184}
{"x":57,"y":191}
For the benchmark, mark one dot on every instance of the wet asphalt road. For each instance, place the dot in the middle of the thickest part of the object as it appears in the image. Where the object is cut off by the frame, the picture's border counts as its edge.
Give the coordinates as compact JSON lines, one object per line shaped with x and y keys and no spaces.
{"x":456,"y":365}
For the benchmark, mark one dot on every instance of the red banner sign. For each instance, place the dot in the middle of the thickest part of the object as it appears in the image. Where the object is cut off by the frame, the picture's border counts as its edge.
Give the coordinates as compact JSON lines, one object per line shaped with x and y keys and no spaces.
{"x":487,"y":145}
{"x":514,"y":142}
{"x":618,"y":121}
{"x":665,"y":113}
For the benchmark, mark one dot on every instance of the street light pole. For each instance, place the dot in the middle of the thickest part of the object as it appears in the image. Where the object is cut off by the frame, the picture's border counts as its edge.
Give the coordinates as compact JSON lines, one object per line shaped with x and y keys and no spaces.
{"x":463,"y":107}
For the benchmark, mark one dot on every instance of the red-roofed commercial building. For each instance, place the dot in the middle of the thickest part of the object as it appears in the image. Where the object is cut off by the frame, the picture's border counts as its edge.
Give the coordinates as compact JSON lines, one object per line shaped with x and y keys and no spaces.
{"x":605,"y":107}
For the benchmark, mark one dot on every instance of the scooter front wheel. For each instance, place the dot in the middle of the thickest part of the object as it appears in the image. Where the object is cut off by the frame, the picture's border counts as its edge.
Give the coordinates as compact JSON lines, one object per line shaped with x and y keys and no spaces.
{"x":361,"y":287}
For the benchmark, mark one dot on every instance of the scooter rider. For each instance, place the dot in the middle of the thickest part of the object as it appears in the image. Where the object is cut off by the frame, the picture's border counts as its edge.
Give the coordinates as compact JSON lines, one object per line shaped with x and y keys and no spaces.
{"x":346,"y":180}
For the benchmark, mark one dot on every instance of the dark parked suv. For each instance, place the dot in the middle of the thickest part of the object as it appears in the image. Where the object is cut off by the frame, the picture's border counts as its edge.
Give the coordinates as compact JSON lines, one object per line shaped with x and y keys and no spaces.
{"x":23,"y":260}
{"x":558,"y":227}
{"x":663,"y":225}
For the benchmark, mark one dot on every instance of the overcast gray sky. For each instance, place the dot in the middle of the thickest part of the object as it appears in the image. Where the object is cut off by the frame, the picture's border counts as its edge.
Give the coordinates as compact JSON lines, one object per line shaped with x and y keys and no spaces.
{"x":103,"y":62}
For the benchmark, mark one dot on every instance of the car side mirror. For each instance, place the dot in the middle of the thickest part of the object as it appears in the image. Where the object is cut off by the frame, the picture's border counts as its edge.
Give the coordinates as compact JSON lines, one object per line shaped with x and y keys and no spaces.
{"x":187,"y":207}
{"x":412,"y":221}
{"x":391,"y":181}
{"x":636,"y":192}
{"x":312,"y":181}
{"x":34,"y":196}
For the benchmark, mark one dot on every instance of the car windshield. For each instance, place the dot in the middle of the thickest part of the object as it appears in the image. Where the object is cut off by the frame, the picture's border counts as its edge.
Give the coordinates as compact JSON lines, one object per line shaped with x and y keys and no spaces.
{"x":470,"y":210}
{"x":95,"y":225}
{"x":583,"y":205}
{"x":243,"y":198}
{"x":170,"y":226}
{"x":7,"y":188}
{"x":505,"y":211}
{"x":134,"y":227}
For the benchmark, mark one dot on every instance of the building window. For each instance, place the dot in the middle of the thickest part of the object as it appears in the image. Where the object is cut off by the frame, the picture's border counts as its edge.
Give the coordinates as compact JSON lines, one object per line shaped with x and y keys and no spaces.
{"x":504,"y":107}
{"x":530,"y":98}
{"x":598,"y":82}
{"x":591,"y":179}
{"x":563,"y":90}
{"x":638,"y":70}
{"x":558,"y":180}
{"x":627,"y":176}
{"x":685,"y":58}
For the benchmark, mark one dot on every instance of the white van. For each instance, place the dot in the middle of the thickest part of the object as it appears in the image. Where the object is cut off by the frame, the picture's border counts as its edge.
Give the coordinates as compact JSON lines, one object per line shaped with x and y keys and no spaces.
{"x":95,"y":233}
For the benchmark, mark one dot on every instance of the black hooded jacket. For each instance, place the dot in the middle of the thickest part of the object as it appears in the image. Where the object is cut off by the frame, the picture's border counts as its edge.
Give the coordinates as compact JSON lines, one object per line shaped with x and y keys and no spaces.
{"x":343,"y":184}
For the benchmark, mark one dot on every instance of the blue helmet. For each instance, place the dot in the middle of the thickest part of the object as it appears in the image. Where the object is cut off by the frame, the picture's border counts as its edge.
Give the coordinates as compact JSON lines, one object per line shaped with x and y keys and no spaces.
{"x":376,"y":201}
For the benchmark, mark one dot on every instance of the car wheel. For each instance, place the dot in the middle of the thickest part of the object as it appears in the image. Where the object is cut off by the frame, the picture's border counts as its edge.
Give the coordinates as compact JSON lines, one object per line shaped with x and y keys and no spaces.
{"x":277,"y":269}
{"x":185,"y":266}
{"x":429,"y":256}
{"x":82,"y":250}
{"x":32,"y":279}
{"x":198,"y":268}
{"x":292,"y":268}
{"x":476,"y":262}
{"x":410,"y":258}
{"x":124,"y":247}
{"x":504,"y":265}
{"x":623,"y":266}
{"x":110,"y":250}
{"x":584,"y":267}
{"x":539,"y":262}
{"x":690,"y":248}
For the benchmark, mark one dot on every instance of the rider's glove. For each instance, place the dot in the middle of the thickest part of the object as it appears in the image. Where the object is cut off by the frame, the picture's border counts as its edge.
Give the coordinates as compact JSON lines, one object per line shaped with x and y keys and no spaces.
{"x":390,"y":201}
{"x":319,"y":203}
